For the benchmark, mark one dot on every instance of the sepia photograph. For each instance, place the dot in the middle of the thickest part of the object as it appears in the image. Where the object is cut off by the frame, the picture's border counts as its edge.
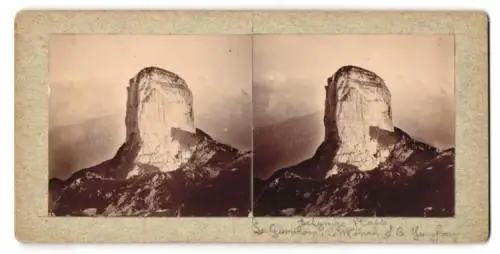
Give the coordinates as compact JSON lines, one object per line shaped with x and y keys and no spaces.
{"x":345,"y":125}
{"x":353,"y":125}
{"x":149,"y":125}
{"x":251,"y":127}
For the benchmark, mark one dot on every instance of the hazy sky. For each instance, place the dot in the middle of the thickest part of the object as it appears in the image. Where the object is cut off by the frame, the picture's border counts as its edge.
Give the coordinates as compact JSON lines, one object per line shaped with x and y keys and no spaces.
{"x":284,"y":76}
{"x":93,"y":71}
{"x":89,"y":75}
{"x":290,"y":73}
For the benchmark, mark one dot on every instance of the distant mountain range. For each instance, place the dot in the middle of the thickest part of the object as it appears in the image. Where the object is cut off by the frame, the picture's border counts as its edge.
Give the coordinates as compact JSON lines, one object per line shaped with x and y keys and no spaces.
{"x":76,"y":146}
{"x":286,"y":143}
{"x":215,"y":182}
{"x":234,"y":129}
{"x":362,"y":166}
{"x":72,"y":147}
{"x":161,"y":164}
{"x":416,"y":181}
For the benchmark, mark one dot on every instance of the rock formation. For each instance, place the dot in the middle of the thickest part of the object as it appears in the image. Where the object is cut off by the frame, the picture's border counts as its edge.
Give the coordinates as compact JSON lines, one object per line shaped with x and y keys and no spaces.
{"x":363,"y":111}
{"x":158,"y":102}
{"x":365,"y":165}
{"x":165,"y":167}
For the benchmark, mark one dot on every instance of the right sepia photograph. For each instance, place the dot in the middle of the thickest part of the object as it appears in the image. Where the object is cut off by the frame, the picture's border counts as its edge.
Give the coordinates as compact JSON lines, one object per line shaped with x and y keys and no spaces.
{"x":353,"y":125}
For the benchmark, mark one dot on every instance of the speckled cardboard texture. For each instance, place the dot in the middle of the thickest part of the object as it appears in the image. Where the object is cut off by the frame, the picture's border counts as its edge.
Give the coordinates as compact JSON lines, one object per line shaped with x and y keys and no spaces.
{"x":32,"y":31}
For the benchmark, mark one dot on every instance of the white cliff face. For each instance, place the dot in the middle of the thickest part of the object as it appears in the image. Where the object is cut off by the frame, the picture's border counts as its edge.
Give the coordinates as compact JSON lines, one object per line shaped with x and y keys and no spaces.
{"x":158,"y":101}
{"x":362,"y":110}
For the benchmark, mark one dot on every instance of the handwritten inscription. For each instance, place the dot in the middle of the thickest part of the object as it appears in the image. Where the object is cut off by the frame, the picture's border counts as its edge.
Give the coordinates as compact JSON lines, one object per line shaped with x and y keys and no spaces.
{"x":359,"y":228}
{"x":435,"y":236}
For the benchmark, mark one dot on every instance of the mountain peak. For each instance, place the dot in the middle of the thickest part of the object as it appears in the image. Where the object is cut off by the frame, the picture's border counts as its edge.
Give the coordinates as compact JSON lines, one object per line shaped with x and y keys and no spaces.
{"x":365,"y":165}
{"x":165,"y":167}
{"x":359,"y":108}
{"x":158,"y":101}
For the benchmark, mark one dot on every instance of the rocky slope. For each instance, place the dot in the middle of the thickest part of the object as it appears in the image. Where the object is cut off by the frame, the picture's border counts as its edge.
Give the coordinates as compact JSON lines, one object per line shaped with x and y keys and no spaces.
{"x":365,"y":166}
{"x":166,"y":167}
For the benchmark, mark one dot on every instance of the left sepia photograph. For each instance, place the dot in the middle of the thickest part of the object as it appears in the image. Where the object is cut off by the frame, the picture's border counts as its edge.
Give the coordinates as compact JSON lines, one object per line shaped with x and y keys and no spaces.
{"x":150,"y":125}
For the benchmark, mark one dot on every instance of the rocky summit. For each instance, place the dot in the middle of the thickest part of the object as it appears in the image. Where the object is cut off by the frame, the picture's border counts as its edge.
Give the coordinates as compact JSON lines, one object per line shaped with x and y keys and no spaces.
{"x":365,"y":165}
{"x":165,"y":167}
